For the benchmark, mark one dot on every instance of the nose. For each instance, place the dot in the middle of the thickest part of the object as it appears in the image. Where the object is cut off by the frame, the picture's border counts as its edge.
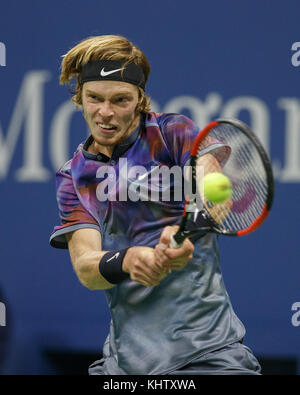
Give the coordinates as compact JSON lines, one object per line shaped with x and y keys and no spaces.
{"x":105,"y":109}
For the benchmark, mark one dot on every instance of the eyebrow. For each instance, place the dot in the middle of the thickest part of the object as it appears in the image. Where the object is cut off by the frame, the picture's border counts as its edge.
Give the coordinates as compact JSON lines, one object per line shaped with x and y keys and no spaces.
{"x":125,"y":92}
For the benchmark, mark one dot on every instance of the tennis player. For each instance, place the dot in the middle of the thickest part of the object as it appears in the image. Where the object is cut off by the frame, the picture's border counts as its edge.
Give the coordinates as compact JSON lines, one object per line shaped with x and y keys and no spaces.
{"x":170,"y":312}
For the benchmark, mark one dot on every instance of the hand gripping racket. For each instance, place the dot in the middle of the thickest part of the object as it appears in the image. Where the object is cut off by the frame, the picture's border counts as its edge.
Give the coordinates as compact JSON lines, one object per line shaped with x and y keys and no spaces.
{"x":228,"y":146}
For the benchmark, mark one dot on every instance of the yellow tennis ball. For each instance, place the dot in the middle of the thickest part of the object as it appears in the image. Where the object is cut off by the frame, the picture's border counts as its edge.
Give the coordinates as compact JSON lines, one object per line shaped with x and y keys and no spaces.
{"x":217,"y":187}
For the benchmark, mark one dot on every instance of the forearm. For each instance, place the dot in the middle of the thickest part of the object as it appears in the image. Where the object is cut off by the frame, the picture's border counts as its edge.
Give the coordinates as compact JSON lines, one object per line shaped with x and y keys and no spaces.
{"x":86,"y":267}
{"x":85,"y":248}
{"x":90,"y":262}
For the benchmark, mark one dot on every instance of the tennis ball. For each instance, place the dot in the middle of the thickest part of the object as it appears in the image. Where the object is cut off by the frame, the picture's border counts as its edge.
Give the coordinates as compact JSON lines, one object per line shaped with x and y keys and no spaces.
{"x":217,"y":187}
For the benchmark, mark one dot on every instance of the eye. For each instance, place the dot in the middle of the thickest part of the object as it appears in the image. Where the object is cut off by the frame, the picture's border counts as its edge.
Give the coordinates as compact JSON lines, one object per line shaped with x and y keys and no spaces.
{"x":93,"y":97}
{"x":122,"y":100}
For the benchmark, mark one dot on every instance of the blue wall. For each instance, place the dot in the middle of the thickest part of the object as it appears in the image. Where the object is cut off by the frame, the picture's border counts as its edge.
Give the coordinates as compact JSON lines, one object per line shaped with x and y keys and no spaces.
{"x":208,"y":59}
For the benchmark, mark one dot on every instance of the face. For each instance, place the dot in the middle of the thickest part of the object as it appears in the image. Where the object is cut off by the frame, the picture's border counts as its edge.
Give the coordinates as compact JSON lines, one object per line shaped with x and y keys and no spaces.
{"x":109,"y":108}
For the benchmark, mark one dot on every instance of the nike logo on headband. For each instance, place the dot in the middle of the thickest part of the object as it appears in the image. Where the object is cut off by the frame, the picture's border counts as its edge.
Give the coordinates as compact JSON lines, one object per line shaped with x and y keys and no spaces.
{"x":106,"y":73}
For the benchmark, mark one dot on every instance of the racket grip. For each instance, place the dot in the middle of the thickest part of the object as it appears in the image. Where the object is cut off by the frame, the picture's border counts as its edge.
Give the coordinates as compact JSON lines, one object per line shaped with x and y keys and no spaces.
{"x":173,"y":243}
{"x":176,"y":240}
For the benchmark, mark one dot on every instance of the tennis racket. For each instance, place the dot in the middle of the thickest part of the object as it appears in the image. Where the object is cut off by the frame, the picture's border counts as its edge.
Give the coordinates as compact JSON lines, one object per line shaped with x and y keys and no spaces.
{"x":230,"y":147}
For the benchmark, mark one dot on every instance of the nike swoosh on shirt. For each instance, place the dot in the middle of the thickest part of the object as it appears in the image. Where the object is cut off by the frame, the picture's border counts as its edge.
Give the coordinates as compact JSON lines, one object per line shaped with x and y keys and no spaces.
{"x":105,"y":73}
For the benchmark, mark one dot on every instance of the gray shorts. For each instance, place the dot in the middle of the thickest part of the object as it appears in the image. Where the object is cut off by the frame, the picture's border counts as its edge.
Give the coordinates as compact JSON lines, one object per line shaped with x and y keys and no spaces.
{"x":234,"y":359}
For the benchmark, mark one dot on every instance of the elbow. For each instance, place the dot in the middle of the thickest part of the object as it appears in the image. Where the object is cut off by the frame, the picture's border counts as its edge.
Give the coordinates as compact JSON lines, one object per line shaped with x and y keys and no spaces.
{"x":86,"y":283}
{"x":95,"y":285}
{"x":83,"y":272}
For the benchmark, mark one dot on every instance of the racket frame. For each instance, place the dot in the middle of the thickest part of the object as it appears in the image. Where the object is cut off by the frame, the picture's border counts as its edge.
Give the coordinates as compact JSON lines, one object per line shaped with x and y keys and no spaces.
{"x":182,"y":233}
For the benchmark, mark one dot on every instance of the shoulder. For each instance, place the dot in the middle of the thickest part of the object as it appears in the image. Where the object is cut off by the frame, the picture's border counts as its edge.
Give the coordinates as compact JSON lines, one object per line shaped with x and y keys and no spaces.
{"x":174,"y":128}
{"x":63,"y":177}
{"x":65,"y":169}
{"x":167,"y":121}
{"x":177,"y":131}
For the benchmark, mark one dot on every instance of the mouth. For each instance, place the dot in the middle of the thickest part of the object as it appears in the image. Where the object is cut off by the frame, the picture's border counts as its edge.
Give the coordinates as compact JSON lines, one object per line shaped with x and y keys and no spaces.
{"x":106,"y":128}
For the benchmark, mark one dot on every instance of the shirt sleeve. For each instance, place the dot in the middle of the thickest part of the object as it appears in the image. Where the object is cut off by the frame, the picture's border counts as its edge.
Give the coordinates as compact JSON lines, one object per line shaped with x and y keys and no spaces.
{"x":71,"y":212}
{"x":180,"y":133}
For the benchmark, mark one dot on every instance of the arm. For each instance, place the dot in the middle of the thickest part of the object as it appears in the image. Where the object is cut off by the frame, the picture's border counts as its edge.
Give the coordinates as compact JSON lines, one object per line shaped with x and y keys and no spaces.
{"x":210,"y":164}
{"x":85,"y":252}
{"x":85,"y":249}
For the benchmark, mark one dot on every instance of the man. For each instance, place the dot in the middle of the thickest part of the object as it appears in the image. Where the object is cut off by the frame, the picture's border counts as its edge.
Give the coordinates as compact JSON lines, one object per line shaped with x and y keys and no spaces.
{"x":170,"y":311}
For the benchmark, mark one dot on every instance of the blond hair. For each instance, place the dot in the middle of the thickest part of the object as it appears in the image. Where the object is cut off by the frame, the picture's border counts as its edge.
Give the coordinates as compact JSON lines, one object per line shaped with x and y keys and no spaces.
{"x":107,"y":47}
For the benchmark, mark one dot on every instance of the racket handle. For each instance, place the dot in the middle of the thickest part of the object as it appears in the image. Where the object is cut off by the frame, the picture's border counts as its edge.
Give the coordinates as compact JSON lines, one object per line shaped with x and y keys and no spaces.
{"x":176,"y":240}
{"x":173,"y":243}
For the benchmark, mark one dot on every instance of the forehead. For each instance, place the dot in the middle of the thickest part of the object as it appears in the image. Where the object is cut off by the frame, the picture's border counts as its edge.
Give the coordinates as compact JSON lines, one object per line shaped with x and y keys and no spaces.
{"x":109,"y":88}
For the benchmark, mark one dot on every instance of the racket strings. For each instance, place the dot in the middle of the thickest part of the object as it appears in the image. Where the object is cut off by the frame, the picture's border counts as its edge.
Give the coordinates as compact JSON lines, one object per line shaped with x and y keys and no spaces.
{"x":245,"y":169}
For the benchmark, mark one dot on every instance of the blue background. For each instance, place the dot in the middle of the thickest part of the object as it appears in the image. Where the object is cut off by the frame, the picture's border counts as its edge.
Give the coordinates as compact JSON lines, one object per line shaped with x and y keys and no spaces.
{"x":231,"y":49}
